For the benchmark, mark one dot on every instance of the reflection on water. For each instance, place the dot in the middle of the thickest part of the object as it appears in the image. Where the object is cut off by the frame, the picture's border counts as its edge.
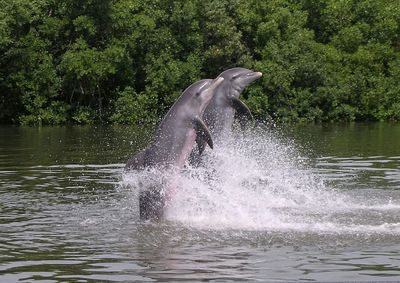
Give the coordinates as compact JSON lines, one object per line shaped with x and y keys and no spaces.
{"x":367,"y":172}
{"x":310,"y":203}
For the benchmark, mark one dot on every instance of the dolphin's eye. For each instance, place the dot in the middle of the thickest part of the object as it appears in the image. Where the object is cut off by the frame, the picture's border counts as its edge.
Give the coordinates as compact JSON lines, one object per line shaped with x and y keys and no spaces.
{"x":198,"y":93}
{"x":234,"y":77}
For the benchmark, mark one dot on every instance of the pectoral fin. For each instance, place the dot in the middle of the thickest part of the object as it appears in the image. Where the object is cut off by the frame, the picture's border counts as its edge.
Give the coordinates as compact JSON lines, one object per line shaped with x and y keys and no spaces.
{"x":241,"y":108}
{"x":201,"y":144}
{"x":203,"y":134}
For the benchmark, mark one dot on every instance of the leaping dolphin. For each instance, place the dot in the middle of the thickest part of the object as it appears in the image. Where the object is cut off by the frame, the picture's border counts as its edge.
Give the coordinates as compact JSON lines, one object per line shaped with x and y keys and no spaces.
{"x":220,"y":112}
{"x":174,"y":139}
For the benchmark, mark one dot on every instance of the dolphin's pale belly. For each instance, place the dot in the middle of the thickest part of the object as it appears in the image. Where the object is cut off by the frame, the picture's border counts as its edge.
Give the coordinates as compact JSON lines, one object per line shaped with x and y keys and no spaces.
{"x":187,"y":147}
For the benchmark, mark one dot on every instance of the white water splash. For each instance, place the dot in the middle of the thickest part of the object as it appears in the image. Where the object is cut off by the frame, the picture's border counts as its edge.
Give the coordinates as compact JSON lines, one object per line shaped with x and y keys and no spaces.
{"x":257,"y":181}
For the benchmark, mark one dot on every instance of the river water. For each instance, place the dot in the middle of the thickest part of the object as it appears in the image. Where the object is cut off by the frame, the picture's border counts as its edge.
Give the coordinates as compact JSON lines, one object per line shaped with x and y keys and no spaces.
{"x":319,"y":202}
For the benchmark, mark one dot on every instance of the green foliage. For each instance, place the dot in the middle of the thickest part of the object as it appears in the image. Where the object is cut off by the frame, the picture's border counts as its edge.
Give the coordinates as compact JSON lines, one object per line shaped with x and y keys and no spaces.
{"x":83,"y":115}
{"x":131,"y":108}
{"x":126,"y":61}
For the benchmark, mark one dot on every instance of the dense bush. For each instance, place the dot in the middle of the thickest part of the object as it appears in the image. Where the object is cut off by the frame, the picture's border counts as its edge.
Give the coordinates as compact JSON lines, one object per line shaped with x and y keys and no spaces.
{"x":126,"y":61}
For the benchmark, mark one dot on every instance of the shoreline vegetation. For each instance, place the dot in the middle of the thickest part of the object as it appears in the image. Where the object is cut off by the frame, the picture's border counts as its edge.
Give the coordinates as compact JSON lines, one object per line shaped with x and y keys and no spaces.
{"x":126,"y":61}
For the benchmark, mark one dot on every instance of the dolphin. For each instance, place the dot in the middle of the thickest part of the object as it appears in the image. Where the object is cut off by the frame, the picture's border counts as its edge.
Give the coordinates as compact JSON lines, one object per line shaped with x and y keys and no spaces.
{"x":173,"y":142}
{"x":220,"y":112}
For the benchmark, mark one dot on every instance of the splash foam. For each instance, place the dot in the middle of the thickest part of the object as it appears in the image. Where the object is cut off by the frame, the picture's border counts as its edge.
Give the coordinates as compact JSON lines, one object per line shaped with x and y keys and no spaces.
{"x":258,"y":181}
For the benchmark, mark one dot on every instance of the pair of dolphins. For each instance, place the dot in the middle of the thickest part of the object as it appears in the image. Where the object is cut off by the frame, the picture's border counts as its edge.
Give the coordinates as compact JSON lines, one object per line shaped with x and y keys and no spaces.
{"x":205,"y":109}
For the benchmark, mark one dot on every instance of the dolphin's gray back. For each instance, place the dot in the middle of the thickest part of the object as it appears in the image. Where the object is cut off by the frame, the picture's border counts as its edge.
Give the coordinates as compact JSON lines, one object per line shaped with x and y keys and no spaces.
{"x":164,"y":148}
